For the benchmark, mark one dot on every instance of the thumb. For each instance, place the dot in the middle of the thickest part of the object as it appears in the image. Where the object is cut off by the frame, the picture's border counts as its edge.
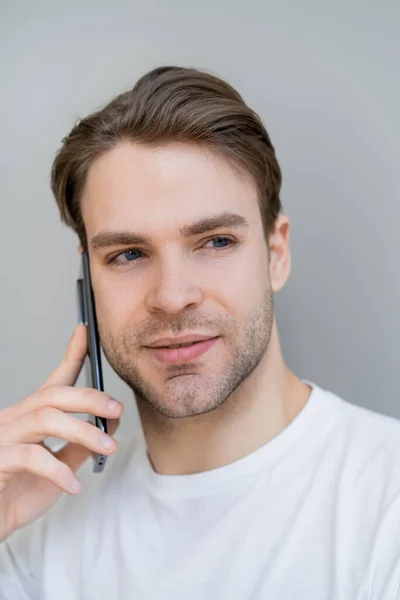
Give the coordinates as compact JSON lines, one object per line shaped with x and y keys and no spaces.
{"x":69,"y":368}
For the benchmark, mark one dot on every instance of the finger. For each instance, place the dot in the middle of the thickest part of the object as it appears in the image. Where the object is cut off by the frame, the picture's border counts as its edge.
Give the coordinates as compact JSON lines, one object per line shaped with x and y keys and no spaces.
{"x":75,"y":455}
{"x":47,"y":422}
{"x":68,"y":370}
{"x":67,"y":399}
{"x":35,"y":459}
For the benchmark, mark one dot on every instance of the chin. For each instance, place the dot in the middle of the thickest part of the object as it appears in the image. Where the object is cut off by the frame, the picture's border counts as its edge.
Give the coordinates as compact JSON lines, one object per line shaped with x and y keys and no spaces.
{"x":183,"y":408}
{"x":174,"y":413}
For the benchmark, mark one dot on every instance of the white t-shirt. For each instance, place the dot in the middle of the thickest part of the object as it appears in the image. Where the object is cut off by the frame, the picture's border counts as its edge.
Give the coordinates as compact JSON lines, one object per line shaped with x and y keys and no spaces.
{"x":312,"y":515}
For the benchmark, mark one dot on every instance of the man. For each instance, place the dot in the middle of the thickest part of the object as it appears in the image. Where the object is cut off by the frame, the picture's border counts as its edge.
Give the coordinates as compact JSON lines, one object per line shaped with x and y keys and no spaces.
{"x":247,"y":482}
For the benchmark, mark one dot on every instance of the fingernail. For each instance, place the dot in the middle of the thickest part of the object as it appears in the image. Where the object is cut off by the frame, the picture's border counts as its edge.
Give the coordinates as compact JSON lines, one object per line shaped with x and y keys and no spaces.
{"x":76,"y":487}
{"x":113,"y":404}
{"x":107,"y":441}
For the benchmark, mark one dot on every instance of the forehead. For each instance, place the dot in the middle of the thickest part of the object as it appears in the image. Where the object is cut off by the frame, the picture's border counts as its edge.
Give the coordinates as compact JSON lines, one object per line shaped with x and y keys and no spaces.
{"x":157,"y":189}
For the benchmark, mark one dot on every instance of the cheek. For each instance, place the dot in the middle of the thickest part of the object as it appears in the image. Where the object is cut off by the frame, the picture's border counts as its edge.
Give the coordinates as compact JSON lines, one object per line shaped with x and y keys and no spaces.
{"x":116,"y":303}
{"x":235,"y":285}
{"x":248,"y":271}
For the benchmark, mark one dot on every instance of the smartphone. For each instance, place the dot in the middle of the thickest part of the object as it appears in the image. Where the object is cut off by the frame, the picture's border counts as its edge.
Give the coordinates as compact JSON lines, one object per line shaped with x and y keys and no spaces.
{"x":94,"y":372}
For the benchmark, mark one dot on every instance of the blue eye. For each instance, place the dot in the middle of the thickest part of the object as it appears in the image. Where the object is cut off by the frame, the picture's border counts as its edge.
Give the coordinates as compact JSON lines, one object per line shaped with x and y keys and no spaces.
{"x":127,"y":255}
{"x":219,"y":239}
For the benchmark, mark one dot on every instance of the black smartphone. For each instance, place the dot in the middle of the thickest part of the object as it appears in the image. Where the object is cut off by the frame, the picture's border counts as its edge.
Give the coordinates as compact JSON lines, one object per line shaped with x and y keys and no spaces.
{"x":87,"y":316}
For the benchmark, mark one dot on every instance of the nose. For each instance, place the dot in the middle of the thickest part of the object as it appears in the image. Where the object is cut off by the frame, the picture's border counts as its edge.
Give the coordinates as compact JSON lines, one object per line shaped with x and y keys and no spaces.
{"x":173,"y":288}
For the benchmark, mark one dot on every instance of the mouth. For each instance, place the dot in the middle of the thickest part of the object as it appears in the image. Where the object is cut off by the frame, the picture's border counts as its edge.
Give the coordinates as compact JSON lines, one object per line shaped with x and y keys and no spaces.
{"x":181,"y":353}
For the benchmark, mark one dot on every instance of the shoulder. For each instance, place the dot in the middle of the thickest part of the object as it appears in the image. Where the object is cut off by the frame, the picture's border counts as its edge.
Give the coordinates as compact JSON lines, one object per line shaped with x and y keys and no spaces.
{"x":364,"y":445}
{"x":361,"y":450}
{"x":364,"y":429}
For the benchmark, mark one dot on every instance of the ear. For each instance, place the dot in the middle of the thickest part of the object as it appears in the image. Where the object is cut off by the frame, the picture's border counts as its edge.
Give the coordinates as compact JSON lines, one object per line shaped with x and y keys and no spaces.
{"x":280,"y":259}
{"x":80,"y":248}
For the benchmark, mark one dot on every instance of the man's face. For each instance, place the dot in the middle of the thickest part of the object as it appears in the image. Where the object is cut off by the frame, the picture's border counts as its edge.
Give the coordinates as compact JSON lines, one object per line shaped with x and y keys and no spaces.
{"x":212,"y":281}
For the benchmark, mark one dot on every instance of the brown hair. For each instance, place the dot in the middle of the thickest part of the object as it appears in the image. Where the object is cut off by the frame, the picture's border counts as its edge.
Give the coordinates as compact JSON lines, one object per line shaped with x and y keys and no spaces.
{"x":170,"y":104}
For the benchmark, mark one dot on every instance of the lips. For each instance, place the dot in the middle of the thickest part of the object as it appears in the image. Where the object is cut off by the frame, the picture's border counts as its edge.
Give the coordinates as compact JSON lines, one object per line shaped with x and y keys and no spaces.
{"x":183,"y":339}
{"x":182,"y":355}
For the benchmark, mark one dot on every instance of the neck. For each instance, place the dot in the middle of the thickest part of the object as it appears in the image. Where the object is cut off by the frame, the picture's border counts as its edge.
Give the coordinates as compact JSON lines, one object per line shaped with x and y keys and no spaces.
{"x":258,"y":410}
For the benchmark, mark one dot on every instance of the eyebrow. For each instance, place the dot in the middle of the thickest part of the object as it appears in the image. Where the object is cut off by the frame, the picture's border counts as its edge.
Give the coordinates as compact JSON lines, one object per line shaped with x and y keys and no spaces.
{"x":104,"y":239}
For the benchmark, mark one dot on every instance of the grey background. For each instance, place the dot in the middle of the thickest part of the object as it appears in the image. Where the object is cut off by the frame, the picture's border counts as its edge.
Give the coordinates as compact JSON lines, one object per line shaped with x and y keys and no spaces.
{"x":324,"y":76}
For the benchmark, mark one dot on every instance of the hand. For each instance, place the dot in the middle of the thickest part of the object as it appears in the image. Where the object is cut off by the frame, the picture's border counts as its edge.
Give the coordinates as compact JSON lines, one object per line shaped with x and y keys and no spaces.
{"x":32,"y":477}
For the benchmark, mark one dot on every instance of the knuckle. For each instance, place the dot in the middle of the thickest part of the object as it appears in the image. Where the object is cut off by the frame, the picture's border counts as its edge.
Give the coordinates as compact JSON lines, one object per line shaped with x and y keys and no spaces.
{"x":44,"y":414}
{"x":59,"y":470}
{"x":88,"y":431}
{"x":31,"y":454}
{"x":91,"y":397}
{"x":47,"y":393}
{"x":36,"y":458}
{"x":86,"y":394}
{"x":90,"y":394}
